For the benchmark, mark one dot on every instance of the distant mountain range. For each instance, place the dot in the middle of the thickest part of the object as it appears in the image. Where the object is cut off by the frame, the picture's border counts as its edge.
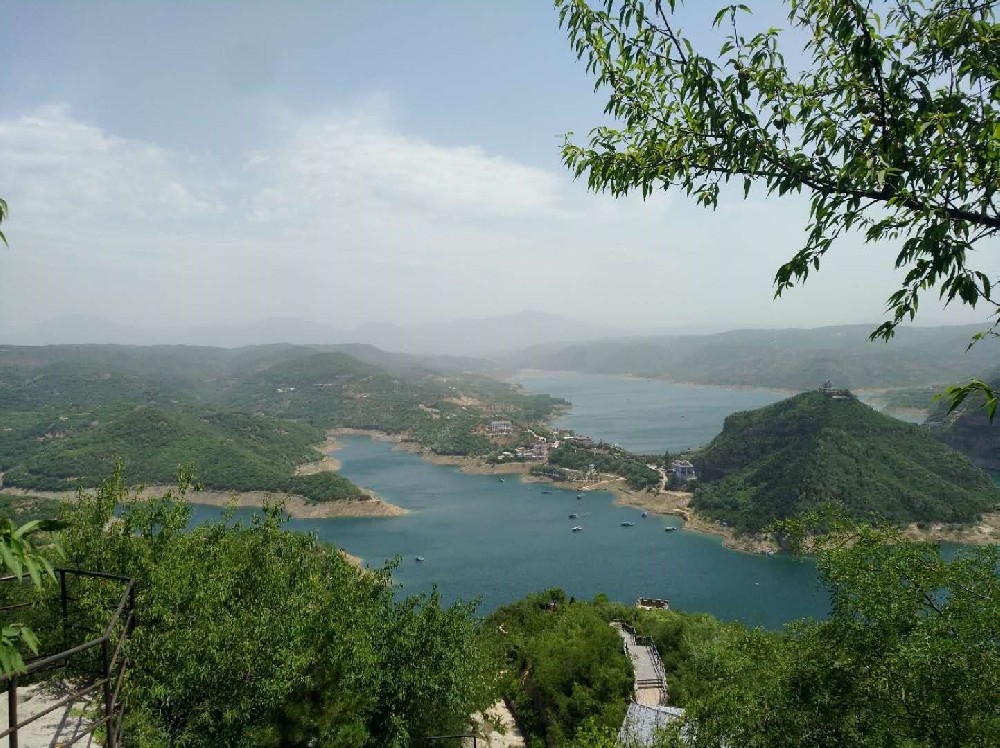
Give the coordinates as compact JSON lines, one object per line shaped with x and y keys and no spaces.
{"x":792,"y":358}
{"x":487,"y":336}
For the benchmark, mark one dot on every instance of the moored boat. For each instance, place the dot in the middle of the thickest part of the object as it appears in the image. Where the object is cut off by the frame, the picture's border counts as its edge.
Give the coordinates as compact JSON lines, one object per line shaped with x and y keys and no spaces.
{"x":578,"y":528}
{"x":626,"y":523}
{"x":420,"y":559}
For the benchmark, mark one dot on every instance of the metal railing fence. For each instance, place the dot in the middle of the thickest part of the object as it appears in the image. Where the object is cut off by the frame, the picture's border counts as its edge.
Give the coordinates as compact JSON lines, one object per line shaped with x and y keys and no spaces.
{"x":106,"y":673}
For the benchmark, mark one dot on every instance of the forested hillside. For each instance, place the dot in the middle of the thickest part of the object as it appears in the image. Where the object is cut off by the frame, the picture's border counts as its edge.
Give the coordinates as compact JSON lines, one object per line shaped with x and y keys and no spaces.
{"x":968,"y":429}
{"x":786,"y":458}
{"x":242,"y":418}
{"x":796,"y":359}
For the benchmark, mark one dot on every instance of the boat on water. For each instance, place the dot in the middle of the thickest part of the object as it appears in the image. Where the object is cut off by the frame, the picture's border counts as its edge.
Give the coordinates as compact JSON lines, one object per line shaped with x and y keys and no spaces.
{"x":669,"y":529}
{"x":546,"y":491}
{"x":420,"y":559}
{"x":645,"y":514}
{"x":578,"y":528}
{"x":574,"y":515}
{"x":626,"y":523}
{"x":499,"y":480}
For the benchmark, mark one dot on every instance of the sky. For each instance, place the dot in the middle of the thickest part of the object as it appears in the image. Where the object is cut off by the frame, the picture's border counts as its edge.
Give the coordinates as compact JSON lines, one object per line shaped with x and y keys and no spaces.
{"x":175,"y":164}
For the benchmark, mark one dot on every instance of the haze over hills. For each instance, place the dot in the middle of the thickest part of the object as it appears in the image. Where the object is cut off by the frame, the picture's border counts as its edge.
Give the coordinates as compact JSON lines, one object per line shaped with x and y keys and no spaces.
{"x":791,"y":358}
{"x":467,"y":337}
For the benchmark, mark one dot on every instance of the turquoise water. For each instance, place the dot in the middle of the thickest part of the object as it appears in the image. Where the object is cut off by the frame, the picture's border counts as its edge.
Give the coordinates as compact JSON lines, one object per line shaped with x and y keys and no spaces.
{"x":501,"y":541}
{"x":645,"y":415}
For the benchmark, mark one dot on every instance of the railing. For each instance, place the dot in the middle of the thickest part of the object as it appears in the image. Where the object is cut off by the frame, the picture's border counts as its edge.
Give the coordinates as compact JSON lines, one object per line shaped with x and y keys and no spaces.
{"x":660,"y":679}
{"x":464,"y":736}
{"x":111,"y":667}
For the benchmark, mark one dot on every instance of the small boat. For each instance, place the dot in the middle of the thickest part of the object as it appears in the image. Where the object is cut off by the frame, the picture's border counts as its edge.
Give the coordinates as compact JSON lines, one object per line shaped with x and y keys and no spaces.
{"x":626,"y":523}
{"x":645,"y":514}
{"x":578,"y":528}
{"x":546,"y":491}
{"x":420,"y":559}
{"x":574,"y":515}
{"x":499,"y":480}
{"x":669,"y":529}
{"x":770,"y":553}
{"x":579,"y":496}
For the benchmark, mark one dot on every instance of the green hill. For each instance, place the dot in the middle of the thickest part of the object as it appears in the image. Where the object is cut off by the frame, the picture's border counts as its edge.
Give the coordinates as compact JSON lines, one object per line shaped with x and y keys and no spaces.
{"x":968,"y":429}
{"x":243,"y":418}
{"x":52,"y":450}
{"x":783,"y":459}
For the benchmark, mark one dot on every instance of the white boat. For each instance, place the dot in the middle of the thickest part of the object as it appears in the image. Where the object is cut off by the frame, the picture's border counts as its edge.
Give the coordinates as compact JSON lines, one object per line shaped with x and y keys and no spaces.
{"x":645,"y":514}
{"x":626,"y":523}
{"x":578,"y":528}
{"x":420,"y":559}
{"x":669,"y":529}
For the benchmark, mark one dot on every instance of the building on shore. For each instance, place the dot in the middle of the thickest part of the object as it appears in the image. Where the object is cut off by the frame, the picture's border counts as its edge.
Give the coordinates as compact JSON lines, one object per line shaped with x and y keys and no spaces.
{"x":683,"y":470}
{"x":499,"y":428}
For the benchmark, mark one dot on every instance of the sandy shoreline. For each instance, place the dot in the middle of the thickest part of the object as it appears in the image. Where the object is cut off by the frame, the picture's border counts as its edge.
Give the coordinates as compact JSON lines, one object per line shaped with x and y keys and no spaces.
{"x":672,"y":503}
{"x":326,"y":463}
{"x":676,"y":503}
{"x":297,"y":507}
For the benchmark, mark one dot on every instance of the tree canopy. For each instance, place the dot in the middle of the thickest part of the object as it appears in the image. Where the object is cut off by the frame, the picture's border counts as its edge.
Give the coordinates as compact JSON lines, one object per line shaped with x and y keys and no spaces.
{"x":908,"y":655}
{"x":889,"y":120}
{"x":4,"y":213}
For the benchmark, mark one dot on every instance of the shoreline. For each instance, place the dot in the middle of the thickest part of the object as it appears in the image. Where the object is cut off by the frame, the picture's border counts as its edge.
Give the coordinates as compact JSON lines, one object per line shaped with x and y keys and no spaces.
{"x":681,"y":383}
{"x":295,"y":506}
{"x":326,"y":462}
{"x":668,"y":503}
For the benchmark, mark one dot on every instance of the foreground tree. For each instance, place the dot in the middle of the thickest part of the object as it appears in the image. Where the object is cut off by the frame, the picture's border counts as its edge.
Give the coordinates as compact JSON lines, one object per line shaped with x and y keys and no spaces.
{"x":908,"y":657}
{"x":24,"y":554}
{"x":892,"y":127}
{"x":253,"y":635}
{"x":4,"y":213}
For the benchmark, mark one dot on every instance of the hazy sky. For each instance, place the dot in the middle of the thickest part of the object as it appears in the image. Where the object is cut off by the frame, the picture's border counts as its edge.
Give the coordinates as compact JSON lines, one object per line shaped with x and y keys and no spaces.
{"x":177,"y":163}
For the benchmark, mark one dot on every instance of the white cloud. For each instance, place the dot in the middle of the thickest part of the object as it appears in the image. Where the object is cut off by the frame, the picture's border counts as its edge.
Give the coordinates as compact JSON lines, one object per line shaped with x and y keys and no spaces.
{"x":343,"y":163}
{"x":345,"y":218}
{"x":67,"y":179}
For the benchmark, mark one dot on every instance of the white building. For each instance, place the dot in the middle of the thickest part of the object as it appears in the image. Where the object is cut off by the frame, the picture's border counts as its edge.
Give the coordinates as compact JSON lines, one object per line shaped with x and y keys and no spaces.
{"x":499,"y":428}
{"x":683,"y":470}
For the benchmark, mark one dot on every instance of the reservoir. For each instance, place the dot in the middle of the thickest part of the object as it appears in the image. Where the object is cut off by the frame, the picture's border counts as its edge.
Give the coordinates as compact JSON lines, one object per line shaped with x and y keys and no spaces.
{"x":499,"y":541}
{"x":647,"y":416}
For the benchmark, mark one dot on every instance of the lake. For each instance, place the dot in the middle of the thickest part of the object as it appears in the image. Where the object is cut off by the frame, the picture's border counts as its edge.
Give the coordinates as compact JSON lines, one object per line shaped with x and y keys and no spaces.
{"x":502,"y":540}
{"x":647,"y":416}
